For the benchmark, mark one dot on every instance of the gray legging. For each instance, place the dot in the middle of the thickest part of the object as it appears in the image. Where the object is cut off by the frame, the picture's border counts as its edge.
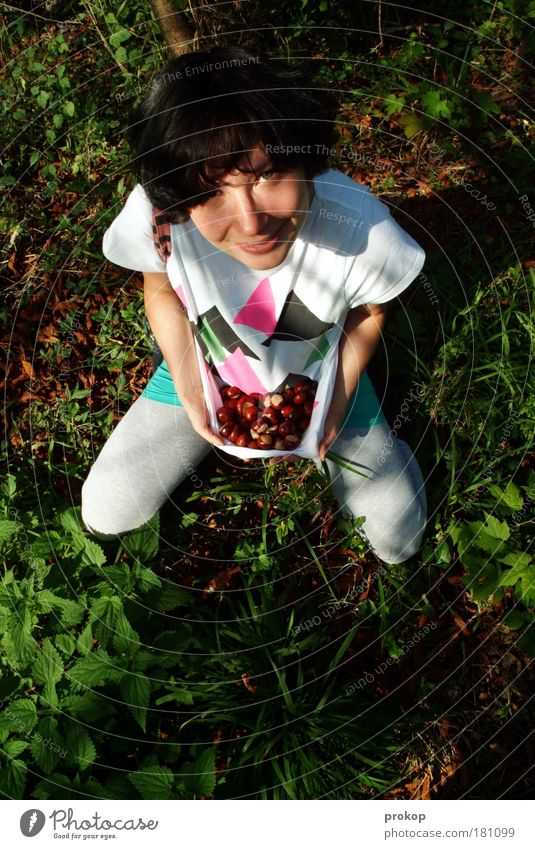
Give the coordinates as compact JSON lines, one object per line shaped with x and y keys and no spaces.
{"x":154,"y":448}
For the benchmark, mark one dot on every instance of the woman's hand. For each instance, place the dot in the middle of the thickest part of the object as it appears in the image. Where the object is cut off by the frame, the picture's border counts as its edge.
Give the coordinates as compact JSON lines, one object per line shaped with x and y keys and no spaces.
{"x":330,"y":432}
{"x":200,"y":419}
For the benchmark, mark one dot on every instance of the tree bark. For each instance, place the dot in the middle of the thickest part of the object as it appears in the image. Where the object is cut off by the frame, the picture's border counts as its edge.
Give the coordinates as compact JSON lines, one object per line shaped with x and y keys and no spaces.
{"x":178,"y":34}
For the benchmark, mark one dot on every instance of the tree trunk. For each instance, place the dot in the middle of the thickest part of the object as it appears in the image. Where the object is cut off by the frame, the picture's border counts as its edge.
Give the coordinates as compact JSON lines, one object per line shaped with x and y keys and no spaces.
{"x":179,"y":35}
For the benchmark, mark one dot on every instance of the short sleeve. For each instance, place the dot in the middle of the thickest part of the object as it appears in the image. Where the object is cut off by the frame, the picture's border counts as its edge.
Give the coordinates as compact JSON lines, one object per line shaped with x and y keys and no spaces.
{"x":389,"y":261}
{"x":128,"y":241}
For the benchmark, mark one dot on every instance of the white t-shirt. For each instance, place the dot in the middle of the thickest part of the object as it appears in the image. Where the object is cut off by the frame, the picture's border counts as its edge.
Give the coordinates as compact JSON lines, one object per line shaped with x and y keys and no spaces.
{"x":259,"y":328}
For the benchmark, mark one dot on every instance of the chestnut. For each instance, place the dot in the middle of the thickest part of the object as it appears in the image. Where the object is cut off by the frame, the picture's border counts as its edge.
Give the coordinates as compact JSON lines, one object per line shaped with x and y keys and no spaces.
{"x":242,"y":440}
{"x":250,"y":414}
{"x":286,"y":427}
{"x":223,"y":415}
{"x":242,"y":401}
{"x":236,"y":433}
{"x":271,"y":414}
{"x":277,"y":400}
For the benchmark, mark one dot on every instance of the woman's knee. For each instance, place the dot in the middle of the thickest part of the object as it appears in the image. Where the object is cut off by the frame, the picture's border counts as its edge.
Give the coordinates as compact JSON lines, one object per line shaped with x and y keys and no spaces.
{"x":104,"y":512}
{"x":395,"y":541}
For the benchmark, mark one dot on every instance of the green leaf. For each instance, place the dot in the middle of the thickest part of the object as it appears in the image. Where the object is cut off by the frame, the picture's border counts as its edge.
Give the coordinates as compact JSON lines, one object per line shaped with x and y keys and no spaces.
{"x":154,"y":783}
{"x":47,"y":746}
{"x":12,"y":748}
{"x":118,"y":37}
{"x":136,"y":693}
{"x":68,"y":108}
{"x":170,"y":597}
{"x":80,"y":748}
{"x":70,"y":521}
{"x":71,"y":612}
{"x":435,"y":106}
{"x":125,"y":640}
{"x":43,"y":98}
{"x":18,"y":642}
{"x":180,"y":696}
{"x":485,"y":101}
{"x":48,"y":666}
{"x":510,"y":496}
{"x":104,"y":614}
{"x":8,"y":529}
{"x":143,"y":543}
{"x":118,"y":578}
{"x":13,"y":779}
{"x":94,"y":670}
{"x":519,"y":560}
{"x":65,"y":644}
{"x":394,"y":104}
{"x":188,"y":519}
{"x":146,"y":579}
{"x":526,"y":642}
{"x":413,"y":124}
{"x":18,"y":717}
{"x":495,"y":528}
{"x":92,"y":553}
{"x":514,"y":620}
{"x":89,"y":706}
{"x":199,"y":777}
{"x":121,"y":55}
{"x":84,"y":641}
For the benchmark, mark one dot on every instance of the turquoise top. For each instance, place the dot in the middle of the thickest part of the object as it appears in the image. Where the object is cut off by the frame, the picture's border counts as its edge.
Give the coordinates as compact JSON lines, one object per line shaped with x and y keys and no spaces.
{"x":363,"y":410}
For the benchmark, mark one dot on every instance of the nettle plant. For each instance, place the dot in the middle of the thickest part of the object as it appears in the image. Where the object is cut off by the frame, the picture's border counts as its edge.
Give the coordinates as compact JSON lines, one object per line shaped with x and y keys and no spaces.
{"x":77,"y":677}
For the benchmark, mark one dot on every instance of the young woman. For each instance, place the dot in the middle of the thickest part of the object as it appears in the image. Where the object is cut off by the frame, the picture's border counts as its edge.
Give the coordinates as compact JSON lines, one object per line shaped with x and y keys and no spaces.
{"x":274,"y":260}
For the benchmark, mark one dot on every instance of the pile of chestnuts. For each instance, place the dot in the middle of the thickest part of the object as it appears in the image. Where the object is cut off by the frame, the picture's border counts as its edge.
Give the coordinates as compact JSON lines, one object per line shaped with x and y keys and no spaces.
{"x":273,"y":421}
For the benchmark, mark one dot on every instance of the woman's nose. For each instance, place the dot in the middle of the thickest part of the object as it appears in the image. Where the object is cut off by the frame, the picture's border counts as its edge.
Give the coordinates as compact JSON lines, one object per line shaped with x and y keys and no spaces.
{"x":247,"y":213}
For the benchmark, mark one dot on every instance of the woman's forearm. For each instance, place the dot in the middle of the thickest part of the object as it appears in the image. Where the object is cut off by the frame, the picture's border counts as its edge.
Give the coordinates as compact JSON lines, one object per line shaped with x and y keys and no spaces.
{"x":362,"y":331}
{"x":171,"y":328}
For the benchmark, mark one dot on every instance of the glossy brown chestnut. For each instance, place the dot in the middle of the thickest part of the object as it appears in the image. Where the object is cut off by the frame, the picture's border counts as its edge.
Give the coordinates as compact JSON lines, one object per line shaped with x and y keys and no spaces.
{"x":251,"y":414}
{"x":236,"y":432}
{"x":277,"y":400}
{"x":271,"y":414}
{"x":286,"y":428}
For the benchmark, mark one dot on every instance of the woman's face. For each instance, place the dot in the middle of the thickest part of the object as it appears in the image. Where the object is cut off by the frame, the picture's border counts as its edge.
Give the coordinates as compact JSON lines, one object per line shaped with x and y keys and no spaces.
{"x":255,"y":219}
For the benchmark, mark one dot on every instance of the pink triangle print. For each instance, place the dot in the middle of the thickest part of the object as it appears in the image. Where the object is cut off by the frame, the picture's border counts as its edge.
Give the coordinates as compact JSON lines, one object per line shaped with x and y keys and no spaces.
{"x":236,"y":371}
{"x":180,"y":292}
{"x":259,"y":311}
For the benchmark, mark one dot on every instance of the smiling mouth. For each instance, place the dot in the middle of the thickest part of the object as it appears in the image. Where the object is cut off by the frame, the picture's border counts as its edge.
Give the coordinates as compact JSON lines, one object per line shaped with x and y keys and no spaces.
{"x":260,"y":247}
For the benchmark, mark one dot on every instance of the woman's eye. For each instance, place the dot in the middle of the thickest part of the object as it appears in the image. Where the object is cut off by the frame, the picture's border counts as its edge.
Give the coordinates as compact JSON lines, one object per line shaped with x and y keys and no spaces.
{"x":266,"y":175}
